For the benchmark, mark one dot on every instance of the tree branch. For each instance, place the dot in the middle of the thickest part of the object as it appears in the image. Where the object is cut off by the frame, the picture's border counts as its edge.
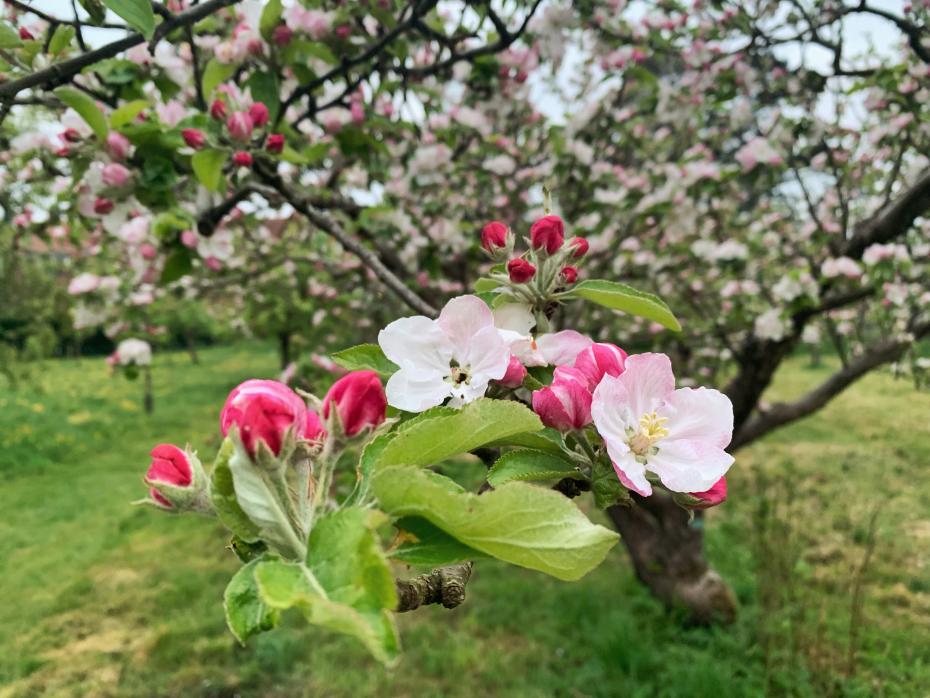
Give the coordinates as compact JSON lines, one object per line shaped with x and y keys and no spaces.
{"x":332,"y":228}
{"x":64,"y":71}
{"x":445,"y":585}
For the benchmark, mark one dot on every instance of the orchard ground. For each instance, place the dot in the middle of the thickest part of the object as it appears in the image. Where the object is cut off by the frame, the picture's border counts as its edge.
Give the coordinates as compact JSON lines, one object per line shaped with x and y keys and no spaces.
{"x":100,"y":598}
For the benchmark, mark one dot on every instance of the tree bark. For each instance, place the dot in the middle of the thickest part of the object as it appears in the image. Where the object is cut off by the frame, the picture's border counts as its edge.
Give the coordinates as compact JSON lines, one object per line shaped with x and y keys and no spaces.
{"x":667,"y":551}
{"x":284,"y":348}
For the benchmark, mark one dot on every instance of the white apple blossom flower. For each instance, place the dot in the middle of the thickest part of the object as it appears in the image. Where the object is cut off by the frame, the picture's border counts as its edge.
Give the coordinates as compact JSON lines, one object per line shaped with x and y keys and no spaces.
{"x":770,"y":325}
{"x":455,"y":356}
{"x":134,"y":351}
{"x":515,"y":321}
{"x":647,"y":425}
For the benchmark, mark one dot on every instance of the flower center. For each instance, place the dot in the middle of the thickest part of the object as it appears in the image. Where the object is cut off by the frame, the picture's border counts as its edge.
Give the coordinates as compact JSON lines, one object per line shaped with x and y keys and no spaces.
{"x":651,"y":429}
{"x":458,"y":374}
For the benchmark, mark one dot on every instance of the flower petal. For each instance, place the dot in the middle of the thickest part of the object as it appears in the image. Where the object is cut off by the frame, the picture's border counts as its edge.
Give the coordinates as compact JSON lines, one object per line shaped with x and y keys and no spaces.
{"x":610,"y":410}
{"x":648,"y":380}
{"x":417,"y":343}
{"x":559,"y":348}
{"x":463,"y":317}
{"x":415,"y":391}
{"x":701,"y":414}
{"x":632,"y":474}
{"x":514,"y":317}
{"x":487,"y":354}
{"x":688,"y":465}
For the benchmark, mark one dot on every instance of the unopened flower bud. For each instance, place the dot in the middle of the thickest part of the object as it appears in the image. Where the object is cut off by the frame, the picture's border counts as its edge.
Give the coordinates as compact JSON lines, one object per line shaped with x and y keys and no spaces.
{"x":72,"y":135}
{"x":242,"y":159}
{"x":259,"y":114}
{"x":264,"y":410}
{"x":579,"y":247}
{"x":169,"y":476}
{"x":102,"y":206}
{"x":275,"y":143}
{"x":494,"y":237}
{"x":515,"y":374}
{"x":520,"y":270}
{"x":194,"y":137}
{"x":115,"y":175}
{"x":598,"y":360}
{"x":282,"y":35}
{"x":547,"y":233}
{"x":566,"y":404}
{"x":218,"y":109}
{"x":359,"y":399}
{"x":717,"y":494}
{"x":240,"y":126}
{"x":118,"y":145}
{"x":569,"y":274}
{"x":25,"y":34}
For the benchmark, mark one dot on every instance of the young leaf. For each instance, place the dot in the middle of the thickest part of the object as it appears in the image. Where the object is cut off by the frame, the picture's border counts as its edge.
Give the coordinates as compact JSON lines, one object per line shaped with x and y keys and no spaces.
{"x":425,"y":544}
{"x":246,"y":613}
{"x":223,"y":496}
{"x":61,"y":38}
{"x":137,"y":13}
{"x":86,"y":107}
{"x":264,"y":88}
{"x":518,"y":523}
{"x":527,"y":464}
{"x":365,"y":357}
{"x":475,"y":425}
{"x":9,"y":37}
{"x":96,"y":10}
{"x":178,"y":264}
{"x":612,"y":294}
{"x":546,"y":440}
{"x":215,"y":74}
{"x":270,"y":18}
{"x":126,"y":113}
{"x":208,"y":166}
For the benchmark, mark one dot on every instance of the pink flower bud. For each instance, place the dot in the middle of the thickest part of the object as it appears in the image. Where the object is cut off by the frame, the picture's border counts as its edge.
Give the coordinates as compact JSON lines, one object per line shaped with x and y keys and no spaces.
{"x":115,"y":175}
{"x":547,"y":233}
{"x":569,"y":274}
{"x":259,"y":114}
{"x":25,"y":34}
{"x":102,"y":206}
{"x":72,"y":135}
{"x":242,"y":159}
{"x":579,"y":247}
{"x":189,"y":239}
{"x":282,"y":35}
{"x":515,"y":374}
{"x":240,"y":126}
{"x":360,"y":401}
{"x":194,"y":137}
{"x":264,"y":410}
{"x":213,"y":264}
{"x":316,"y":432}
{"x":148,"y":251}
{"x":566,"y":404}
{"x":494,"y":236}
{"x":598,"y":360}
{"x":343,"y":31}
{"x":218,"y":109}
{"x":520,"y":270}
{"x":275,"y":143}
{"x":717,"y":494}
{"x":117,"y":145}
{"x":170,"y":466}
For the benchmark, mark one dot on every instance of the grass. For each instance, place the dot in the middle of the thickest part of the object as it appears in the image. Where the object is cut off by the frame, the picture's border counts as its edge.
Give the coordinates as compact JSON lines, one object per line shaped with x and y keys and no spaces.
{"x":100,"y":598}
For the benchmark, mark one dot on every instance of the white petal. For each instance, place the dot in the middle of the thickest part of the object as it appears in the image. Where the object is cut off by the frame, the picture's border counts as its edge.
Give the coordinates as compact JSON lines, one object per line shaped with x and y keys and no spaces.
{"x":610,"y":410}
{"x":463,"y":317}
{"x":632,"y":475}
{"x":487,"y":355}
{"x":702,"y":414}
{"x":416,"y":343}
{"x":514,"y":317}
{"x":648,"y":380}
{"x":689,"y":465}
{"x":416,"y":391}
{"x":562,"y":347}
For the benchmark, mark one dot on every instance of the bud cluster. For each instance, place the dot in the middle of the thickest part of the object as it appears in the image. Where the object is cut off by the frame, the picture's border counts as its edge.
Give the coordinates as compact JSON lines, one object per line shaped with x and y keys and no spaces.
{"x":547,"y":267}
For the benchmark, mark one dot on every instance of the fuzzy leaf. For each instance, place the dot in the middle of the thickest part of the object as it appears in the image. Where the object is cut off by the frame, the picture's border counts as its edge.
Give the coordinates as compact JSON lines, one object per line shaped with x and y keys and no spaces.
{"x":612,"y":294}
{"x":215,"y":74}
{"x":246,"y":613}
{"x":86,"y":107}
{"x":137,"y":13}
{"x":208,"y":166}
{"x":126,"y":113}
{"x":365,"y":357}
{"x":527,"y":464}
{"x":518,"y":523}
{"x":223,"y":496}
{"x":429,"y":546}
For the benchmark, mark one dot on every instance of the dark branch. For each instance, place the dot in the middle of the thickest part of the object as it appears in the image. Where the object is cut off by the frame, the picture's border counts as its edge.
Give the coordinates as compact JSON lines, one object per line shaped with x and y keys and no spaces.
{"x":445,"y":586}
{"x":892,"y":220}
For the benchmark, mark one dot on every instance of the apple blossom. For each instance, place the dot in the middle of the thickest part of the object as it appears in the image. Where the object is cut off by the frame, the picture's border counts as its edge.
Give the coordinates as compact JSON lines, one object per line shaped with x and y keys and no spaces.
{"x":240,"y":125}
{"x":264,"y":410}
{"x":170,"y":466}
{"x":455,"y":356}
{"x":516,"y":373}
{"x":520,"y":270}
{"x":648,"y":425}
{"x":134,"y":352}
{"x":515,"y":322}
{"x":566,"y":403}
{"x":360,"y":401}
{"x":600,"y":359}
{"x":548,"y":233}
{"x":83,"y":283}
{"x":115,"y":175}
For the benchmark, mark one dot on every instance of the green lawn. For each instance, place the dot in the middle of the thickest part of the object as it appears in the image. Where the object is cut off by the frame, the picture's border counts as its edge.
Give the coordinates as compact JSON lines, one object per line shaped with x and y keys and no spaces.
{"x":101,"y":598}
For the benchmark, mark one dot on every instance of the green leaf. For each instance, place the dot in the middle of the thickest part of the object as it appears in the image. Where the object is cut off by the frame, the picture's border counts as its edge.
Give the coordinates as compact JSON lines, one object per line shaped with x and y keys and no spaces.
{"x":96,"y":10}
{"x":346,"y":584}
{"x":9,"y":37}
{"x":178,"y":264}
{"x":223,"y":496}
{"x":127,"y":113}
{"x":426,"y":545}
{"x":215,"y":74}
{"x":263,"y":87}
{"x":62,"y":37}
{"x":260,"y":493}
{"x":365,"y":357}
{"x":518,"y":523}
{"x":546,"y":440}
{"x":208,"y":166}
{"x":606,"y":487}
{"x":478,"y":423}
{"x":137,"y":13}
{"x":527,"y":464}
{"x":485,"y":285}
{"x":86,"y":108}
{"x":270,"y":18}
{"x":612,"y":294}
{"x":246,"y":613}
